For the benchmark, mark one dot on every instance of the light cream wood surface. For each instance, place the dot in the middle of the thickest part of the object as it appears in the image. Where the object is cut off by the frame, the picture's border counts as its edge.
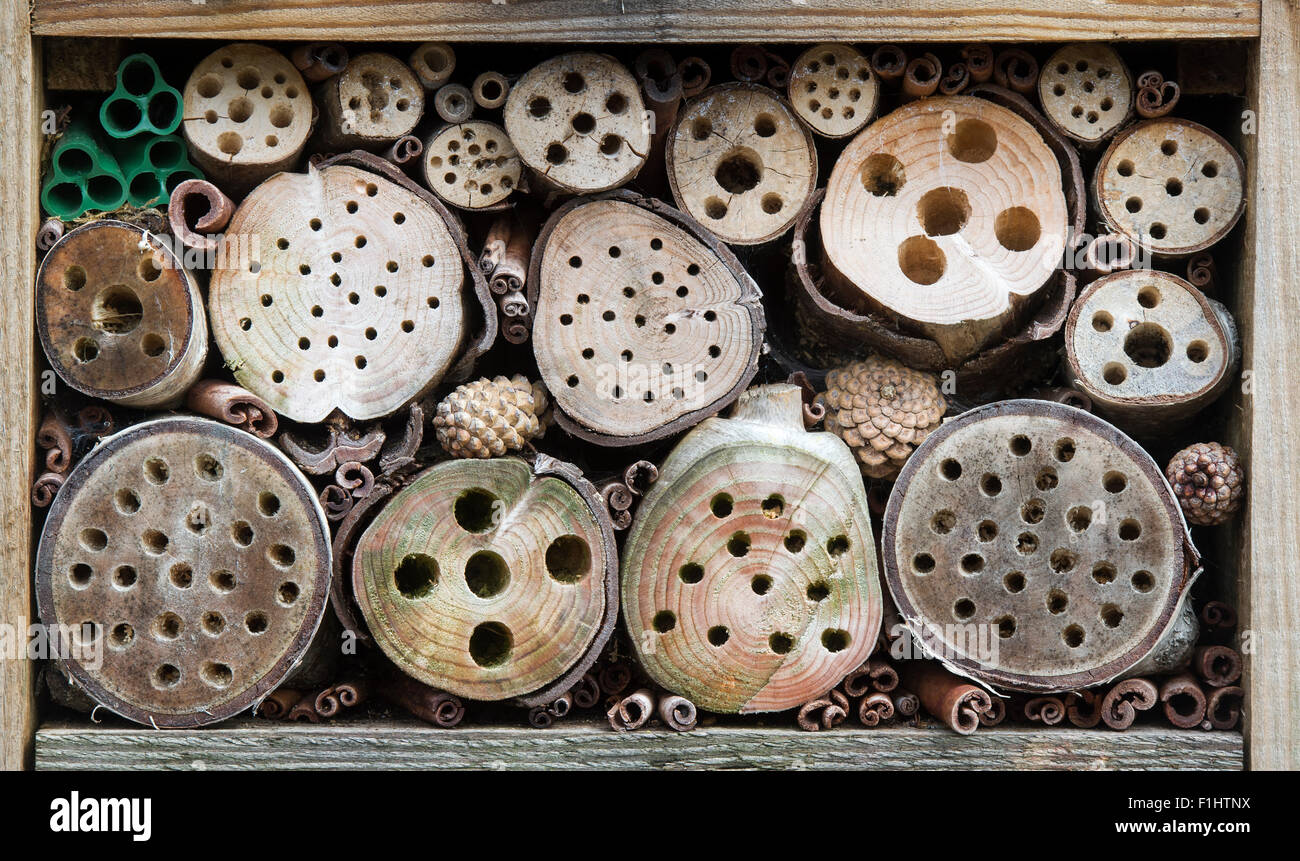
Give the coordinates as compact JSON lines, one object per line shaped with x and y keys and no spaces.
{"x":651,"y":20}
{"x":1269,"y":308}
{"x":19,"y":82}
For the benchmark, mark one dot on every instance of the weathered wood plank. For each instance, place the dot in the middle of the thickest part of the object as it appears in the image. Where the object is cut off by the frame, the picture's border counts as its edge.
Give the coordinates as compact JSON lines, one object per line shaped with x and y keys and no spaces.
{"x":651,"y":20}
{"x":257,"y":744}
{"x":19,"y":170}
{"x":1269,"y":308}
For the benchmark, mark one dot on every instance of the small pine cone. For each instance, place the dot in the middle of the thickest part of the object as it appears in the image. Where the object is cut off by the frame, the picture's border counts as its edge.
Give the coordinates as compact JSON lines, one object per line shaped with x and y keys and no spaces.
{"x":487,"y":418}
{"x":1209,"y":482}
{"x":883,"y":410}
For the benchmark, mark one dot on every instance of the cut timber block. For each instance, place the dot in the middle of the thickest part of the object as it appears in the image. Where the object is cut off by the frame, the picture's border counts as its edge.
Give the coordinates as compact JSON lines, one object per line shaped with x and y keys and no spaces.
{"x":741,"y":163}
{"x":194,"y":559}
{"x":833,"y":90}
{"x":472,"y":165}
{"x":1172,"y":186}
{"x":1086,"y":91}
{"x":354,"y":300}
{"x":1149,"y":349}
{"x":119,"y":317}
{"x":948,"y":216}
{"x":247,"y":115}
{"x":373,"y":102}
{"x":1034,"y":547}
{"x":491,"y":579}
{"x":579,"y":122}
{"x":749,"y":575}
{"x":644,"y":323}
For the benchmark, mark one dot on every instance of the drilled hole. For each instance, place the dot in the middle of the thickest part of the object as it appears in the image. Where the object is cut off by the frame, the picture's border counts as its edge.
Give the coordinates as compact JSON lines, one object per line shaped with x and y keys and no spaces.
{"x":780,"y":642}
{"x":964,"y":608}
{"x":1130,"y":529}
{"x":215,"y":674}
{"x":125,"y":576}
{"x":990,"y":484}
{"x":1033,"y":511}
{"x":477,"y":510}
{"x":154,"y":542}
{"x":1103,"y":573}
{"x":943,"y":522}
{"x":1111,"y":615}
{"x":1006,"y":626}
{"x":835,"y":639}
{"x":1014,"y":582}
{"x":972,"y":141}
{"x":1102,"y":321}
{"x":241,"y":533}
{"x":122,"y":635}
{"x":1046,"y":479}
{"x":1198,"y":351}
{"x":923,"y":563}
{"x":1026,"y":543}
{"x":268,"y":503}
{"x":972,"y":563}
{"x":1021,"y":445}
{"x":213,"y":623}
{"x":943,"y":211}
{"x":738,"y":544}
{"x":1073,"y":636}
{"x":281,"y":555}
{"x":255,"y":622}
{"x":80,"y":574}
{"x":208,"y":467}
{"x":1114,"y":373}
{"x":691,"y":572}
{"x":921,"y":259}
{"x":222,"y":581}
{"x":986,"y":531}
{"x":721,"y":505}
{"x":882,"y":175}
{"x":718,"y":635}
{"x":116,"y":310}
{"x":1017,"y":228}
{"x":568,"y":559}
{"x":1062,"y":560}
{"x":166,"y":676}
{"x":1143,"y":581}
{"x":795,"y":541}
{"x":167,"y":626}
{"x":181,"y":575}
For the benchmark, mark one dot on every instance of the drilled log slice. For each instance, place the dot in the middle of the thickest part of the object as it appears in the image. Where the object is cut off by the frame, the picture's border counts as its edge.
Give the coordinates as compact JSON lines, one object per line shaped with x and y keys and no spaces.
{"x":472,"y":165}
{"x":247,"y":115}
{"x":1172,"y":186}
{"x":199,"y":557}
{"x":578,"y":121}
{"x":1035,"y":547}
{"x":749,"y":575}
{"x":373,"y":102}
{"x":490,"y":579}
{"x":353,"y":301}
{"x":119,"y":317}
{"x":1148,"y":348}
{"x":645,"y":324}
{"x":741,"y":163}
{"x":947,"y":216}
{"x":1086,"y":91}
{"x":833,"y":89}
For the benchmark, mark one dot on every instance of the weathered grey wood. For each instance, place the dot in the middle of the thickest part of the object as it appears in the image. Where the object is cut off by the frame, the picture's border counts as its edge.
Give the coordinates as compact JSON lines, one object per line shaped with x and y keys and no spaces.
{"x":251,"y":744}
{"x":651,"y":20}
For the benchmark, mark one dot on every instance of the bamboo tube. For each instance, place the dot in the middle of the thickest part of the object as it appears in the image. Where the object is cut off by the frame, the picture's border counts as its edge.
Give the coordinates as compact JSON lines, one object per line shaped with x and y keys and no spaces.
{"x":946,"y":697}
{"x":454,"y":103}
{"x":120,"y":317}
{"x":1121,"y":705}
{"x":1184,"y":701}
{"x":490,"y":90}
{"x":433,"y":63}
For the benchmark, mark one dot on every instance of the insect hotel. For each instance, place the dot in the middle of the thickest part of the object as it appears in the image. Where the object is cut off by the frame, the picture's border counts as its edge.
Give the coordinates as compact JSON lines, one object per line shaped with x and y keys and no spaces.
{"x":716,"y":384}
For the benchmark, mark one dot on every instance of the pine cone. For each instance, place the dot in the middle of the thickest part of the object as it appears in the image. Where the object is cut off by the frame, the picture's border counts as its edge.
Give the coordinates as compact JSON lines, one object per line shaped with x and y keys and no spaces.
{"x":487,"y":418}
{"x":1209,"y":482}
{"x":883,"y":410}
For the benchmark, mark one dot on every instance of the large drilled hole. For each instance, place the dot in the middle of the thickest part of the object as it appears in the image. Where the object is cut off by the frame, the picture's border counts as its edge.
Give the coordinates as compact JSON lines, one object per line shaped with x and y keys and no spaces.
{"x":167,"y":626}
{"x":1111,"y":615}
{"x":721,"y":505}
{"x":835,"y":639}
{"x":883,"y":175}
{"x":923,"y":563}
{"x":1017,"y":228}
{"x":964,"y":608}
{"x":943,"y":522}
{"x":1143,"y":581}
{"x":795,"y":541}
{"x":1129,"y":530}
{"x":1006,"y":626}
{"x":972,"y":563}
{"x":216,"y":674}
{"x":1073,"y":636}
{"x":568,"y":559}
{"x":207,"y":467}
{"x":1033,"y":510}
{"x":476,"y":510}
{"x":761,"y":584}
{"x":416,"y":575}
{"x":780,"y":642}
{"x":166,"y":676}
{"x":664,"y":621}
{"x":943,"y":211}
{"x":837,"y":545}
{"x":738,"y":544}
{"x":94,"y":539}
{"x":1057,"y":602}
{"x":116,"y":309}
{"x":222,"y":581}
{"x":718,"y":635}
{"x":921,"y":259}
{"x":972,"y":141}
{"x":1103,"y":573}
{"x":154,"y":542}
{"x":487,"y":574}
{"x":691,"y":572}
{"x":1148,"y":345}
{"x":1014,"y":582}
{"x":1062,"y":560}
{"x":739,"y":171}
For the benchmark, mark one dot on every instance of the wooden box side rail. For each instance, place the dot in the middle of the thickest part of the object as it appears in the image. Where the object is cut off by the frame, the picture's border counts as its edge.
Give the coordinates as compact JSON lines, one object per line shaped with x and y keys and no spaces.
{"x":247,"y":744}
{"x":1267,"y":299}
{"x":651,"y":20}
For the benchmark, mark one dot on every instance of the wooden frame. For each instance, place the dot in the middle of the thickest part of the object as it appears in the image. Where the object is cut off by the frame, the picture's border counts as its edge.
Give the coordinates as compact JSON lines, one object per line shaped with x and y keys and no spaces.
{"x":1268,"y":308}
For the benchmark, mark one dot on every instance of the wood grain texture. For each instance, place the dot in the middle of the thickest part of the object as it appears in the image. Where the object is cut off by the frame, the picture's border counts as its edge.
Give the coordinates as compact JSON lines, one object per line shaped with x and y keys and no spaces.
{"x":651,"y":20}
{"x":1268,"y":305}
{"x":391,"y":744}
{"x":19,"y":169}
